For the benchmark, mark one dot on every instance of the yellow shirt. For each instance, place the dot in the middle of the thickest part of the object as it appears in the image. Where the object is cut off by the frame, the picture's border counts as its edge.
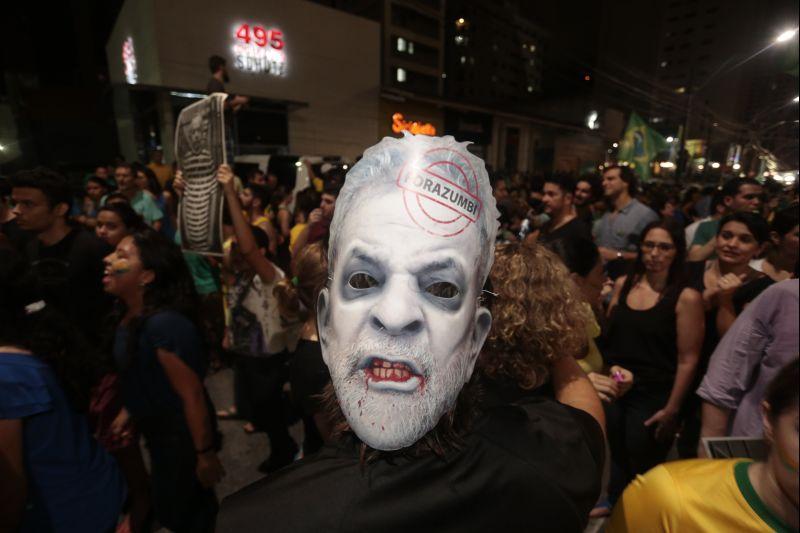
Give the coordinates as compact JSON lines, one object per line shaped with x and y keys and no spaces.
{"x":593,"y":362}
{"x":294,"y":233}
{"x":163,"y":172}
{"x":693,"y":496}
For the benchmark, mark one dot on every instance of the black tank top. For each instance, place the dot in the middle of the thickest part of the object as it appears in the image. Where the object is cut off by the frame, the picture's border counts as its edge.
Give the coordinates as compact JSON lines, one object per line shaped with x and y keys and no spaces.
{"x":645,"y":342}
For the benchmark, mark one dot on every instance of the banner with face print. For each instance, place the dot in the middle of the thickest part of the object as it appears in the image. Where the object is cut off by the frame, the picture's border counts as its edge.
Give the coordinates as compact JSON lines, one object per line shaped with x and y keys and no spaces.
{"x":200,"y":150}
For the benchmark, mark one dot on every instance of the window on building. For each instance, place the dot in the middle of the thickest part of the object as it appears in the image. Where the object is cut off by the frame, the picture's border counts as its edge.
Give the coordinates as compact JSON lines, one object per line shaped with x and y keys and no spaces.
{"x":400,"y":75}
{"x":401,"y":44}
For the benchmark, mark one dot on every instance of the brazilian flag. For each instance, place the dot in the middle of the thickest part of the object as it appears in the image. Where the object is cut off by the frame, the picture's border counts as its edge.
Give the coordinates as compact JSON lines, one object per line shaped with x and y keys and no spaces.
{"x":640,"y":145}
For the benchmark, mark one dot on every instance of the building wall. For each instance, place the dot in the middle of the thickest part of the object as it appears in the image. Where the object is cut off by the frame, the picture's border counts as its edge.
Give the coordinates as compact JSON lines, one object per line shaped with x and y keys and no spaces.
{"x":333,"y":62}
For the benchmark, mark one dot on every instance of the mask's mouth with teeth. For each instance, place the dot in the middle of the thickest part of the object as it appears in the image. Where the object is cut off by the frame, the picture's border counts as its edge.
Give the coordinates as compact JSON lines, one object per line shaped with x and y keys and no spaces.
{"x":392,"y":374}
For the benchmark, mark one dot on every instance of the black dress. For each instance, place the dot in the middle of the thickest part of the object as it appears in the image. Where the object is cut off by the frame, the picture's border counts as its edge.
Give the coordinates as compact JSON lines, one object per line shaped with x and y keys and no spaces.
{"x":644,"y":342}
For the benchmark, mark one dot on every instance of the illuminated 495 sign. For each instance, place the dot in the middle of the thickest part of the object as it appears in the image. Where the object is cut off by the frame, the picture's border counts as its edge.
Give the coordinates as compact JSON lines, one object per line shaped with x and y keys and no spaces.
{"x":259,"y":49}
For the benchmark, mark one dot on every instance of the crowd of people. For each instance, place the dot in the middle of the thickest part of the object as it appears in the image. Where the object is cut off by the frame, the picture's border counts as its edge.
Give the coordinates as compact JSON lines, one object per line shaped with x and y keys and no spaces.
{"x":656,"y":315}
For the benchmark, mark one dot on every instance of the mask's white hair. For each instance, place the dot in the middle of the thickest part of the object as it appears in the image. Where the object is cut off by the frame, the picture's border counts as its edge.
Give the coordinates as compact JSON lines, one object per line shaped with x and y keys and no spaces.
{"x":376,"y":174}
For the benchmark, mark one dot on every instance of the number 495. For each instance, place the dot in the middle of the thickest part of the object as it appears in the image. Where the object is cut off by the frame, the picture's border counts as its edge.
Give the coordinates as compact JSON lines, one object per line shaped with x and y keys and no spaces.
{"x":259,"y":36}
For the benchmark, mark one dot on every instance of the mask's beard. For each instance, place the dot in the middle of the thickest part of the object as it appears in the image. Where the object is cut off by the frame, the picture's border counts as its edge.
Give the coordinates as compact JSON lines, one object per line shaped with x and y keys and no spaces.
{"x":389,"y":420}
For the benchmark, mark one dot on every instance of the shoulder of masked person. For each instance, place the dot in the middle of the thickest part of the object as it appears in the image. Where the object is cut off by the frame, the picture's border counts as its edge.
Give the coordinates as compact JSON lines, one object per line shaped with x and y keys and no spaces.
{"x":537,"y":462}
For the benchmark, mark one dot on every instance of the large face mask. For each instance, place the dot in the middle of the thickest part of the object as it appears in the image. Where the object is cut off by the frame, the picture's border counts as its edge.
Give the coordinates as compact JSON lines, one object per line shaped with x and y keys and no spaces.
{"x":400,"y":323}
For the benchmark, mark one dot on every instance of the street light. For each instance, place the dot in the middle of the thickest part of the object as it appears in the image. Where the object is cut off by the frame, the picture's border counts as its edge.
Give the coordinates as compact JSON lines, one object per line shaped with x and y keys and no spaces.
{"x":785,"y":36}
{"x":670,"y":139}
{"x":714,"y":165}
{"x":796,"y":99}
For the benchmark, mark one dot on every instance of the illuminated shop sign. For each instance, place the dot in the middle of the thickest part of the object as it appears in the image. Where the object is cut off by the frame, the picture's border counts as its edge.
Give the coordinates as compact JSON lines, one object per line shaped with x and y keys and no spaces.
{"x":129,"y":61}
{"x":258,"y":49}
{"x":399,"y":123}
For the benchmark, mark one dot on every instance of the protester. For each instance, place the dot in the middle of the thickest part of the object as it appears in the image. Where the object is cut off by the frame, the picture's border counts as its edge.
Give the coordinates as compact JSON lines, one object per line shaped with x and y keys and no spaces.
{"x":717,"y":210}
{"x":53,"y":475}
{"x":68,"y":261}
{"x":267,"y":340}
{"x":762,"y":340}
{"x":96,"y":190}
{"x":585,"y":194}
{"x":254,"y":200}
{"x":738,"y":195}
{"x":655,"y":330}
{"x":558,"y":205}
{"x":219,"y":77}
{"x":116,"y":221}
{"x":140,"y":201}
{"x":10,"y":233}
{"x":162,"y":171}
{"x":783,"y":252}
{"x":319,"y":220}
{"x":725,"y":494}
{"x":617,"y":231}
{"x":308,"y":374}
{"x":159,"y":350}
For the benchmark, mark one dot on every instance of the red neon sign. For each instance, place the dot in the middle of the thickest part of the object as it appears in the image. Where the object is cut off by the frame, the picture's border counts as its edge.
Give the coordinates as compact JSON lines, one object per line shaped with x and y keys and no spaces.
{"x":259,"y":36}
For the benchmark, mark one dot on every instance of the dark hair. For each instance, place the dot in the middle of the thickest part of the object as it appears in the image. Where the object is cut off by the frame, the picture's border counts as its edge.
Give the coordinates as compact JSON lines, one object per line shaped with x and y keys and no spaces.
{"x":152,"y":181}
{"x":785,"y":221}
{"x":627,"y":175}
{"x":306,"y":201}
{"x":565,"y":182}
{"x":260,"y":192}
{"x":332,"y":188}
{"x":53,"y":185}
{"x":215,"y":63}
{"x":717,"y":199}
{"x":676,"y":280}
{"x":99,"y":181}
{"x":734,"y":185}
{"x":115,"y":198}
{"x":579,"y":255}
{"x":754,"y":222}
{"x":593,"y":183}
{"x":782,"y":392}
{"x":261,"y":237}
{"x":125,"y":164}
{"x":172,"y":287}
{"x":45,"y":332}
{"x":130,"y":218}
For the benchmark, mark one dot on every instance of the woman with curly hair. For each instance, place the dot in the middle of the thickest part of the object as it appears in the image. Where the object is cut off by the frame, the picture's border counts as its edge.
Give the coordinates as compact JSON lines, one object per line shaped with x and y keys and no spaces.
{"x":162,"y":359}
{"x":656,"y":331}
{"x":53,"y":475}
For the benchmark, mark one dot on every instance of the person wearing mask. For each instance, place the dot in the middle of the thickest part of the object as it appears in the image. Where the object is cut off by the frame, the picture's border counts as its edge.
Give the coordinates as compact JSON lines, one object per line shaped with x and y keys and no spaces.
{"x":781,"y":261}
{"x":116,"y":221}
{"x":762,"y":340}
{"x":67,"y":260}
{"x":141,"y":202}
{"x":738,"y":195}
{"x":160,"y":355}
{"x":308,"y":374}
{"x":54,"y":476}
{"x":617,"y":231}
{"x":725,"y":494}
{"x":655,"y":330}
{"x":268,"y":352}
{"x":558,"y":205}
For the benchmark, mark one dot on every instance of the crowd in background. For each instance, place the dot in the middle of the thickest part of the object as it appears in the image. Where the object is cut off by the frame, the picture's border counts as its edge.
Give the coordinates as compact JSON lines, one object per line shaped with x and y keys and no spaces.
{"x":679,"y":303}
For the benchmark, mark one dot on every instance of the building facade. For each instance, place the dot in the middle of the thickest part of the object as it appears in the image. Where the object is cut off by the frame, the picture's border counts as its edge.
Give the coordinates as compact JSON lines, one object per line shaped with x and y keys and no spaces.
{"x":312,"y":73}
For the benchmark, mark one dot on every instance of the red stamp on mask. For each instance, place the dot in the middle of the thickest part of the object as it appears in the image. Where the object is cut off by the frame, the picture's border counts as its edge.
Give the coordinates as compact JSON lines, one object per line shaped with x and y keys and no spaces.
{"x":440,"y":192}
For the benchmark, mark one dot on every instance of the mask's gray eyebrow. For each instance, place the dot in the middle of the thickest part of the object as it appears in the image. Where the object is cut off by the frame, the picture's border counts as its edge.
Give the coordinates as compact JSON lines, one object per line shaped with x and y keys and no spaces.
{"x":443,"y":264}
{"x":358,"y":254}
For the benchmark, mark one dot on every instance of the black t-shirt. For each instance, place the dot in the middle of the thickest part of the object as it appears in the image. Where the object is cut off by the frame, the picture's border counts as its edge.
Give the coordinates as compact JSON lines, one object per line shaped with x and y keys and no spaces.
{"x":70,"y":273}
{"x":574,"y":229}
{"x":17,"y":237}
{"x":215,"y":86}
{"x":532,"y":466}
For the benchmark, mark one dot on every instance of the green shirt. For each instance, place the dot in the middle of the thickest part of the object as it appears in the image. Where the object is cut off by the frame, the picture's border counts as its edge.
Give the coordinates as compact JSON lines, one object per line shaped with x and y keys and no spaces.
{"x":144,"y":204}
{"x":205,"y":276}
{"x":705,"y":232}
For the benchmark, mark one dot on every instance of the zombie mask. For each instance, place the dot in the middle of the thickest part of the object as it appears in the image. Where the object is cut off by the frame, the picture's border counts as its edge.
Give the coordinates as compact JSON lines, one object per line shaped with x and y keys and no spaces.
{"x":412,"y":241}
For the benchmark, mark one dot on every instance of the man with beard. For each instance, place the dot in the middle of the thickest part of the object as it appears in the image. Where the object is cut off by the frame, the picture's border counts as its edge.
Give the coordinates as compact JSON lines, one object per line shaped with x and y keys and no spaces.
{"x":401,"y":324}
{"x":219,"y":77}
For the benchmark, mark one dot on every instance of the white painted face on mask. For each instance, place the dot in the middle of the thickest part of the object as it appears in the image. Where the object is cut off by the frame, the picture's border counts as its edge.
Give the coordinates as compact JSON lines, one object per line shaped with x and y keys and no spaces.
{"x":400,"y":323}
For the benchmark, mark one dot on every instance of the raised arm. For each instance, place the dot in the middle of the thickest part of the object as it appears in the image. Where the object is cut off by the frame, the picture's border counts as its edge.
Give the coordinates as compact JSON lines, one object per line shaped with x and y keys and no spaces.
{"x":247,"y":243}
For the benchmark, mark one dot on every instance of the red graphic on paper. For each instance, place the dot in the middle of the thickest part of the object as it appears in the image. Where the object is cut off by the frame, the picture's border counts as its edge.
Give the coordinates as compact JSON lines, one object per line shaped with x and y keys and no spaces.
{"x":440,"y":192}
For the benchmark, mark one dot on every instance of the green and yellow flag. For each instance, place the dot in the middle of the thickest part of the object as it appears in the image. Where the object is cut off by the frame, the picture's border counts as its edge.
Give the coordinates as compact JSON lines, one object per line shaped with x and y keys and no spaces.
{"x":640,"y":145}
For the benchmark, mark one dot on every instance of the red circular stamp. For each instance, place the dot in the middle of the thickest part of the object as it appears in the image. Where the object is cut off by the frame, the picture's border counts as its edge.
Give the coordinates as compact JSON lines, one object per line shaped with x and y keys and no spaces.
{"x":440,"y":192}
